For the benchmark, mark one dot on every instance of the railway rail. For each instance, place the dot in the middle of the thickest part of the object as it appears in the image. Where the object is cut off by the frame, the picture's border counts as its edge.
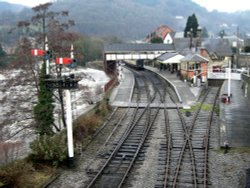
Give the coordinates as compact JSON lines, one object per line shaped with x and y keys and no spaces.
{"x":181,"y":158}
{"x":187,"y":146}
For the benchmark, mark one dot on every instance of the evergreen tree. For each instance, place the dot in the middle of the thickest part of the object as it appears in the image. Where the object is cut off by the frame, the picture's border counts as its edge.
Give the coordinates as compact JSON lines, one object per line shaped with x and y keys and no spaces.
{"x":2,"y":52}
{"x":2,"y":56}
{"x":52,"y":25}
{"x":43,"y":111}
{"x":222,"y":33}
{"x":191,"y":26}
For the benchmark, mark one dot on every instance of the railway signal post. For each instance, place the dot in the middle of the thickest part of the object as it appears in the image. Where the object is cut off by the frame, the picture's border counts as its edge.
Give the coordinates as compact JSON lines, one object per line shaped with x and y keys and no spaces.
{"x":66,"y":83}
{"x":47,"y":56}
{"x":69,"y":119}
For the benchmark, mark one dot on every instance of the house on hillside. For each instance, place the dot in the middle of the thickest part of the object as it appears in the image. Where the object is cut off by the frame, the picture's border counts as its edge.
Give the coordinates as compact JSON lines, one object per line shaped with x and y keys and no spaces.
{"x":164,"y":32}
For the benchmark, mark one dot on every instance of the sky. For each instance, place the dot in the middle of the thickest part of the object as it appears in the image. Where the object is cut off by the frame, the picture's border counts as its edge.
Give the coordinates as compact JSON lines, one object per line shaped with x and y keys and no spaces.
{"x":224,"y":5}
{"x":220,"y":5}
{"x":30,"y":3}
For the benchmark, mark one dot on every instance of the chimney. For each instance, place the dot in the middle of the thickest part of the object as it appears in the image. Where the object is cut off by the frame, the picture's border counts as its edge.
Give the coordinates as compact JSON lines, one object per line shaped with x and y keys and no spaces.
{"x":199,"y":36}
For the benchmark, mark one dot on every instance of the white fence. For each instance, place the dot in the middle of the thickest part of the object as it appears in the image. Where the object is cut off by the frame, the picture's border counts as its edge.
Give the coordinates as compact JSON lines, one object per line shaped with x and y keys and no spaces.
{"x":223,"y":75}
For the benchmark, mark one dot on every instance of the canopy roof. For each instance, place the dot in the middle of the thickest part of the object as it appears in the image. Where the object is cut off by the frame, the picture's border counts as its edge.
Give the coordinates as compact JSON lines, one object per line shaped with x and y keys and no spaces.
{"x":168,"y":58}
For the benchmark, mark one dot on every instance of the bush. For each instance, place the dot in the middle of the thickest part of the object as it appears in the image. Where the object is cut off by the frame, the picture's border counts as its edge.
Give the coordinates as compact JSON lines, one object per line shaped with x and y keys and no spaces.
{"x":13,"y":174}
{"x":52,"y":149}
{"x":86,"y":126}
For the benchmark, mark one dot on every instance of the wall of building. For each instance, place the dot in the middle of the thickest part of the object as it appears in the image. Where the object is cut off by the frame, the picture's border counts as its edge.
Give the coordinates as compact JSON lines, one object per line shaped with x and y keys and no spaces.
{"x":244,"y":60}
{"x":246,"y":86}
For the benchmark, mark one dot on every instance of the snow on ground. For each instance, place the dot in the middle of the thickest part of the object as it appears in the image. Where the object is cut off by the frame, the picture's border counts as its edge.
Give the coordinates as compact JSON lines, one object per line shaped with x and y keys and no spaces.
{"x":18,"y":96}
{"x":2,"y":77}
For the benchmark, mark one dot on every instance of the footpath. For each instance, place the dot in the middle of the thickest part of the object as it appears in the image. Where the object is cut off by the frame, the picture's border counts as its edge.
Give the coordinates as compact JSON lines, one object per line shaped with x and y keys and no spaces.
{"x":235,"y":117}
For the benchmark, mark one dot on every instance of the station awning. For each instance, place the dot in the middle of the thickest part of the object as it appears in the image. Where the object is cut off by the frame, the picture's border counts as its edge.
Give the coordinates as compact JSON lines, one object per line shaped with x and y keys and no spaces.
{"x":170,"y":58}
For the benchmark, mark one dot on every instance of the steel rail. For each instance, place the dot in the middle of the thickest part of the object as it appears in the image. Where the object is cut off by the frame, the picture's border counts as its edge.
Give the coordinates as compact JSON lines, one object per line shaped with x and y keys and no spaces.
{"x":147,"y":130}
{"x":188,"y":134}
{"x":122,"y":140}
{"x":115,"y":150}
{"x":206,"y":141}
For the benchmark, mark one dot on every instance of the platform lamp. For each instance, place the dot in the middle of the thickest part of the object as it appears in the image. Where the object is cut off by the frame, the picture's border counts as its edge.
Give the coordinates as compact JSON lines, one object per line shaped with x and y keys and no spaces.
{"x":229,"y":79}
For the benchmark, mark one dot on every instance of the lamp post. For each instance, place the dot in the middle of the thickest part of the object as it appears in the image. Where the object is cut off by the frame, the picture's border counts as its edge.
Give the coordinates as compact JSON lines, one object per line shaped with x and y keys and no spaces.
{"x":229,"y":81}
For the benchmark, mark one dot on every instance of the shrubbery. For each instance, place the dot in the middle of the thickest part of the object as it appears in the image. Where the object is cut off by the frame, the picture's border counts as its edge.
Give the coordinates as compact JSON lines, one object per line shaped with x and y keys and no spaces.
{"x":12,"y":174}
{"x":52,"y":149}
{"x":85,"y":127}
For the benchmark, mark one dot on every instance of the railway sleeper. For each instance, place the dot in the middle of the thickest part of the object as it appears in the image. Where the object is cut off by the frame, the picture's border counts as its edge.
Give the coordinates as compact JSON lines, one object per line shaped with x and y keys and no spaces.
{"x":130,"y":146}
{"x":127,"y":150}
{"x":114,"y":172}
{"x":184,"y":179}
{"x":124,"y":155}
{"x":162,"y":159}
{"x":162,"y":163}
{"x":162,"y":154}
{"x":182,"y":184}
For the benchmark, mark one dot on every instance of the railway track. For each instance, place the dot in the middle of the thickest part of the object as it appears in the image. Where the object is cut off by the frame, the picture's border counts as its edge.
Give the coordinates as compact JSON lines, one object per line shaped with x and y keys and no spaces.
{"x":158,"y":147}
{"x":187,"y":146}
{"x":116,"y":168}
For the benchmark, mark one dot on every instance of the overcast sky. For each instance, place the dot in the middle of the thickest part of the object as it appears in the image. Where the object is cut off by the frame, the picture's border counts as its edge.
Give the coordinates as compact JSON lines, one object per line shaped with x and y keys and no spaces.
{"x":225,"y":5}
{"x":220,"y":5}
{"x":30,"y":3}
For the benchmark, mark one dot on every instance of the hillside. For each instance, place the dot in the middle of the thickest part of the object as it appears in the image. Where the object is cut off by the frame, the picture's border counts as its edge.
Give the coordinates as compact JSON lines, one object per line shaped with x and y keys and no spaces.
{"x":129,"y":19}
{"x":134,"y":19}
{"x":4,"y":6}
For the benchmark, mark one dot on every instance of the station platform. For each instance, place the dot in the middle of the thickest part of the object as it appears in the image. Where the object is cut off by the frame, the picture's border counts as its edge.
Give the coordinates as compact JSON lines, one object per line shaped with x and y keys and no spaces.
{"x":123,"y":92}
{"x":188,"y":95}
{"x":235,"y":117}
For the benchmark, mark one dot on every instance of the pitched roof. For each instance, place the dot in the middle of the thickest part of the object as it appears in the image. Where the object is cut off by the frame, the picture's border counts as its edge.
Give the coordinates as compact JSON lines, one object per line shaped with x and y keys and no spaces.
{"x":163,"y":30}
{"x":166,"y":56}
{"x":184,"y":43}
{"x":220,"y":47}
{"x":128,"y":47}
{"x":194,"y":58}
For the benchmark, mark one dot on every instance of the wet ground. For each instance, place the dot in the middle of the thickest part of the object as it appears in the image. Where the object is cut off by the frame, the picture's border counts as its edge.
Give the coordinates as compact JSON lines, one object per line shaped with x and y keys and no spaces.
{"x":235,"y":117}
